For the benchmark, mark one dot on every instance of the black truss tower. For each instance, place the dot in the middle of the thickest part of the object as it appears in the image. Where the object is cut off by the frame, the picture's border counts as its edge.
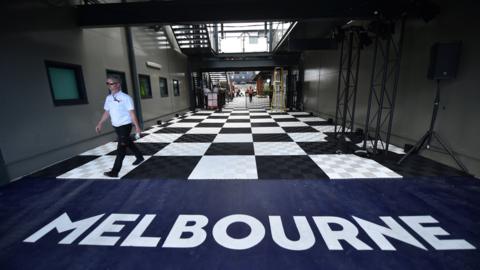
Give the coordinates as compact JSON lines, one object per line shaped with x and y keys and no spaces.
{"x":347,"y":80}
{"x":384,"y":83}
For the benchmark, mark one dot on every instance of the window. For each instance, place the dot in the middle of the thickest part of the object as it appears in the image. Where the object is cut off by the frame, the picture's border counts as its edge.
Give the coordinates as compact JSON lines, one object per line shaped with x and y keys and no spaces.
{"x":66,"y":83}
{"x":145,"y":89}
{"x":119,"y":75}
{"x":163,"y":87}
{"x":176,"y":88}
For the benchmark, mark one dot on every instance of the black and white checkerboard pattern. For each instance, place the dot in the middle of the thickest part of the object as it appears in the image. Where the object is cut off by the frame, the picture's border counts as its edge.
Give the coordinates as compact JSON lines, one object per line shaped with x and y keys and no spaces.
{"x":242,"y":103}
{"x":236,"y":144}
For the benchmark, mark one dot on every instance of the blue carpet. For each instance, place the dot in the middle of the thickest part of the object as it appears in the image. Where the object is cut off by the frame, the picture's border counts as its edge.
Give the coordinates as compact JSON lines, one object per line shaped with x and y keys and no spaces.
{"x":28,"y":205}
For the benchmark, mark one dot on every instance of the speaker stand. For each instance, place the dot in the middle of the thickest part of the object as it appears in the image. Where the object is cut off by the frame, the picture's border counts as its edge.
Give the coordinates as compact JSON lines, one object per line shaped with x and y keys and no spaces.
{"x":427,"y":138}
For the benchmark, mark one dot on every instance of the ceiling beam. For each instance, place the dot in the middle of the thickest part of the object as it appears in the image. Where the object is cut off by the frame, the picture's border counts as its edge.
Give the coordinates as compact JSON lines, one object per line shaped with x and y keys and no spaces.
{"x":174,"y":12}
{"x":247,"y":63}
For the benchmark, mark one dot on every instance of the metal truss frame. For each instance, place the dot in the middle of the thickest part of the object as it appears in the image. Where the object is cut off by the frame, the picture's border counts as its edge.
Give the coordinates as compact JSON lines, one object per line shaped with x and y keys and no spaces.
{"x":348,"y":80}
{"x":383,"y":85}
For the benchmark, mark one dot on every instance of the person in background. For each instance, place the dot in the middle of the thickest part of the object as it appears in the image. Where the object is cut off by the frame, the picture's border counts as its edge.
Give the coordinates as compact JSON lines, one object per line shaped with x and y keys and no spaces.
{"x":119,"y":107}
{"x":250,"y":93}
{"x":205,"y":94}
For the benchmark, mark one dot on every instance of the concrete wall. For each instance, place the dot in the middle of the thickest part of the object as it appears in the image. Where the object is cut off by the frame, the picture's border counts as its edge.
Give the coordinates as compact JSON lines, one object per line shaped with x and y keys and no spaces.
{"x":35,"y":133}
{"x":457,"y":121}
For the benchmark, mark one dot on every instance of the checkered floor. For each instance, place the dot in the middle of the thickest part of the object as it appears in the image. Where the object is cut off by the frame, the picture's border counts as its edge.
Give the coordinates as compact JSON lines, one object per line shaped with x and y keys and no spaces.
{"x":243,"y":102}
{"x":245,"y":144}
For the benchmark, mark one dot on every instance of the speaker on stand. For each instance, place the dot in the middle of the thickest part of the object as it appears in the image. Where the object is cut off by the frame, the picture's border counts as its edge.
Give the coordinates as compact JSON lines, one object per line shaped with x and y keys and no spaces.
{"x":444,"y":58}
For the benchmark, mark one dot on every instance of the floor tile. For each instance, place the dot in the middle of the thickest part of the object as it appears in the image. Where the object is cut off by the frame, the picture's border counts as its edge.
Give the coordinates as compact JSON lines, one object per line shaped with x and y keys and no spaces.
{"x":197,"y":117}
{"x":416,"y":165}
{"x":318,"y":123}
{"x":172,"y":130}
{"x":328,"y":128}
{"x":292,"y":124}
{"x":307,"y":137}
{"x":233,"y":116}
{"x":204,"y":131}
{"x":101,"y":150}
{"x":205,"y":112}
{"x":225,"y":167}
{"x":259,"y":114}
{"x":62,"y":167}
{"x":299,"y":113}
{"x":95,"y":168}
{"x":381,"y":145}
{"x":299,"y":129}
{"x":351,"y":166}
{"x":266,"y":130}
{"x":202,"y":125}
{"x":183,"y":125}
{"x":292,"y":167}
{"x":311,"y":119}
{"x":230,"y":149}
{"x":277,"y":149}
{"x":185,"y":120}
{"x":237,"y":125}
{"x":147,"y":149}
{"x":233,"y":138}
{"x":151,"y":130}
{"x":217,"y":117}
{"x":278,"y":120}
{"x":159,"y":138}
{"x":272,"y":124}
{"x":196,"y":138}
{"x":235,"y":130}
{"x":238,"y":120}
{"x":220,"y":114}
{"x":174,"y":120}
{"x":281,"y":116}
{"x":159,"y":167}
{"x":327,"y":147}
{"x":184,"y":149}
{"x":262,"y":120}
{"x":260,"y":117}
{"x":223,"y":120}
{"x":274,"y":137}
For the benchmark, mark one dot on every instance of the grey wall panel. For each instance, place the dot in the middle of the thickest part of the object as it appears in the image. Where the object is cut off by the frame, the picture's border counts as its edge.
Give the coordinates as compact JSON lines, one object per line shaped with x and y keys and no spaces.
{"x":173,"y":67}
{"x":39,"y":126}
{"x":178,"y":71}
{"x":38,"y":133}
{"x":458,"y":116}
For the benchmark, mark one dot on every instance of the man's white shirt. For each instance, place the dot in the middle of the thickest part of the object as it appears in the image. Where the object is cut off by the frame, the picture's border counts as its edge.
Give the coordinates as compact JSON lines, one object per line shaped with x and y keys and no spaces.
{"x":119,"y":108}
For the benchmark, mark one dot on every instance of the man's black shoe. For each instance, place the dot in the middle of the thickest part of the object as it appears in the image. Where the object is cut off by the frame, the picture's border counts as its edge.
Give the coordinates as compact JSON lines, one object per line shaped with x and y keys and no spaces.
{"x":110,"y":174}
{"x":138,"y":161}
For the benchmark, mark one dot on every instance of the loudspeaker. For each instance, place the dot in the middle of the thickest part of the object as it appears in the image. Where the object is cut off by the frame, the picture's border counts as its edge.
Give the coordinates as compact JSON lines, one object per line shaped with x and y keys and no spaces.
{"x":444,"y":58}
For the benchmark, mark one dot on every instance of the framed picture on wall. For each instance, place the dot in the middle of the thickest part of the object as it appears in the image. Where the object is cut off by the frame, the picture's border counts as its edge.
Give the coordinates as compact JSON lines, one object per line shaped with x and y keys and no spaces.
{"x":145,"y":86}
{"x":163,"y":87}
{"x":176,"y":87}
{"x":119,"y":75}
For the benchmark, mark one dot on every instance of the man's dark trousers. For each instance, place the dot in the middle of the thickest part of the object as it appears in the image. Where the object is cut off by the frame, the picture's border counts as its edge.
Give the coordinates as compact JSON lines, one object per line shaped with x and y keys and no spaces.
{"x":124,"y":141}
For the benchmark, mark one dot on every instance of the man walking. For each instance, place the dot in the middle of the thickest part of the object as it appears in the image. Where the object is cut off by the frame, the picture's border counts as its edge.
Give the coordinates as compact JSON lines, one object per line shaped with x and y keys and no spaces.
{"x":119,"y":107}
